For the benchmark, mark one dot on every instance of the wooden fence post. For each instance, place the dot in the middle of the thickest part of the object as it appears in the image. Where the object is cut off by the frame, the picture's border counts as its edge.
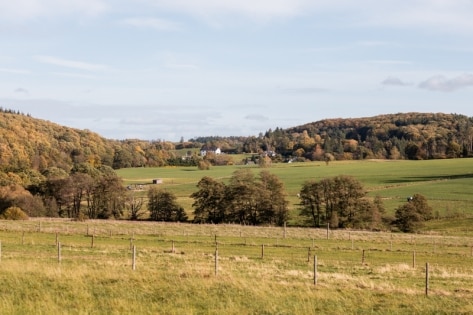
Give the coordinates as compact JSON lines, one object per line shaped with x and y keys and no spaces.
{"x":23,"y":238}
{"x":413,"y":259}
{"x":363,"y":257}
{"x":426,"y":279}
{"x":59,"y":252}
{"x":92,"y":241}
{"x":328,"y":230}
{"x":262,"y":251}
{"x":315,"y":269}
{"x":133,"y":258}
{"x":216,"y":261}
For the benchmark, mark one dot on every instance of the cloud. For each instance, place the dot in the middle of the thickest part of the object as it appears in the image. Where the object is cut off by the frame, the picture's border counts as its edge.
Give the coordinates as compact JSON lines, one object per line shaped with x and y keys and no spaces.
{"x":21,"y":91}
{"x":444,"y":15}
{"x":156,"y":24}
{"x":394,"y":81}
{"x":256,"y":117}
{"x":305,"y":90}
{"x":441,"y":83}
{"x":80,"y":65}
{"x":260,"y":9}
{"x":22,"y":10}
{"x":75,"y":75}
{"x":15,"y":71}
{"x":181,"y":66}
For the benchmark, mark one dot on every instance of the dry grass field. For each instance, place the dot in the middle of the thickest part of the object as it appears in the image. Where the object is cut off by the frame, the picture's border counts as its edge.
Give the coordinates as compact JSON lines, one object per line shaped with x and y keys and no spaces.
{"x":66,"y":267}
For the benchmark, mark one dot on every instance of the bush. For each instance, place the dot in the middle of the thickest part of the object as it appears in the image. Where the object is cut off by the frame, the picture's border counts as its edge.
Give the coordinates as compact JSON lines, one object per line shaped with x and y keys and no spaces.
{"x":203,"y":165}
{"x":14,"y":213}
{"x":411,"y":216}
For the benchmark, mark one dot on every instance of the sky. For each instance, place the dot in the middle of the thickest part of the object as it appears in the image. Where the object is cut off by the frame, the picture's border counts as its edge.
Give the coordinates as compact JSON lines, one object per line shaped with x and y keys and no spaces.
{"x":180,"y":69}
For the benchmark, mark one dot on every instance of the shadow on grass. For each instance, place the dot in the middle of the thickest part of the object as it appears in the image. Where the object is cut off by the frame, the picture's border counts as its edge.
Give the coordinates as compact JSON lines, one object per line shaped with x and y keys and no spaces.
{"x":428,"y":178}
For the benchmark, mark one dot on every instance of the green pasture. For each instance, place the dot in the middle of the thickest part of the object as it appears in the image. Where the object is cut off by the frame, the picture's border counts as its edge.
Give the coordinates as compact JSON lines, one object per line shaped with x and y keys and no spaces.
{"x":447,"y":184}
{"x":228,"y":269}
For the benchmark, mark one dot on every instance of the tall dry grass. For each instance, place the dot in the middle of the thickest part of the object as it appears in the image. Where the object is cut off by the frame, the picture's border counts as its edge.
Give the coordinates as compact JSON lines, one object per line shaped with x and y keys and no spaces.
{"x":100,"y":280}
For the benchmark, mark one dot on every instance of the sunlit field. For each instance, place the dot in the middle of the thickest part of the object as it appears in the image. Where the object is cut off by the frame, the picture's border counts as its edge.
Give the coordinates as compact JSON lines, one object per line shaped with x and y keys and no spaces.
{"x":447,"y":184}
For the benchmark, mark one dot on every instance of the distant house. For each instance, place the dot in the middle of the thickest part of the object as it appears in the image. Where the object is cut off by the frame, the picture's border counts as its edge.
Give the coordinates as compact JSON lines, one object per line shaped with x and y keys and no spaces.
{"x":206,"y":149}
{"x":269,"y":153}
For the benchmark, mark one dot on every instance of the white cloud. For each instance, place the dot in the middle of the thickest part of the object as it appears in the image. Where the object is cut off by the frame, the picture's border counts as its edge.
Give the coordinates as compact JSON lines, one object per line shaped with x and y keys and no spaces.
{"x":21,"y":10}
{"x":444,"y":15}
{"x":265,"y":9}
{"x":152,"y":23}
{"x":441,"y":83}
{"x":394,"y":81}
{"x":80,"y":65}
{"x":15,"y":71}
{"x":440,"y":15}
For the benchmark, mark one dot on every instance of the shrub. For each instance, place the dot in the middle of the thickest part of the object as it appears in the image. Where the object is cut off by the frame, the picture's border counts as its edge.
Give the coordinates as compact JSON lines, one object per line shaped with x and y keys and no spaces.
{"x":14,"y":213}
{"x":411,"y":216}
{"x":203,"y":165}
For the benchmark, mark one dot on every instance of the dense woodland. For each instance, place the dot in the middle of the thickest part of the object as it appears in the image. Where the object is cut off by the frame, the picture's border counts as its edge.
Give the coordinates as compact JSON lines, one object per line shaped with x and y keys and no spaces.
{"x":52,"y":170}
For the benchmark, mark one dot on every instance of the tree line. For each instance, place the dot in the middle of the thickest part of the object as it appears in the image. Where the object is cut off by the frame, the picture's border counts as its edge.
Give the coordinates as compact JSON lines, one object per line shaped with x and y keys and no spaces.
{"x":341,"y":202}
{"x":29,"y":146}
{"x":246,"y":199}
{"x":98,"y":193}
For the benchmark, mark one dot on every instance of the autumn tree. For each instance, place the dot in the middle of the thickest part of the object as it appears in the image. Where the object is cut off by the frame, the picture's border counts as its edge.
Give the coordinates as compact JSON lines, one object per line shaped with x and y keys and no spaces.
{"x":339,"y":201}
{"x":209,"y":201}
{"x":17,"y":196}
{"x":87,"y":191}
{"x":275,"y":205}
{"x":163,"y":206}
{"x":246,"y":199}
{"x":134,"y":205}
{"x":243,"y":197}
{"x":311,"y":196}
{"x":107,"y":198}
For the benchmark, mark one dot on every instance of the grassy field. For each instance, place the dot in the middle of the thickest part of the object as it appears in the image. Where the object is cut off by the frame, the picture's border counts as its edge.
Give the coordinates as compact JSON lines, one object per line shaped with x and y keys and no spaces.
{"x":447,"y":184}
{"x":59,"y":266}
{"x":228,"y":269}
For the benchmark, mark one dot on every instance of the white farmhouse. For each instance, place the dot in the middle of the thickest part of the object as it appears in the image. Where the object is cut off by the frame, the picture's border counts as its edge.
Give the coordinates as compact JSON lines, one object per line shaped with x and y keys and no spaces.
{"x":205,"y":149}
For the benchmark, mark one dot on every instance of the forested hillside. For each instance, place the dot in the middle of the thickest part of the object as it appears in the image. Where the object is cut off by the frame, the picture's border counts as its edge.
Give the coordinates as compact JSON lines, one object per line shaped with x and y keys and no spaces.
{"x":394,"y":136}
{"x":33,"y":145}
